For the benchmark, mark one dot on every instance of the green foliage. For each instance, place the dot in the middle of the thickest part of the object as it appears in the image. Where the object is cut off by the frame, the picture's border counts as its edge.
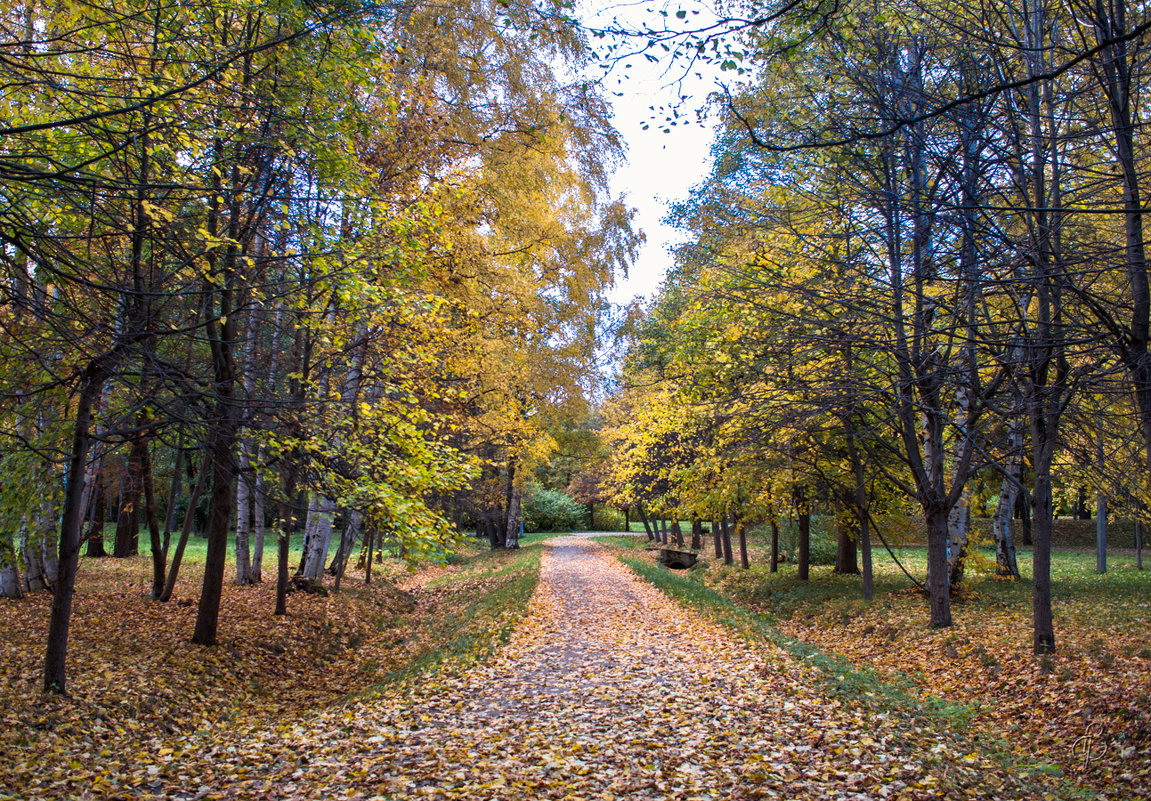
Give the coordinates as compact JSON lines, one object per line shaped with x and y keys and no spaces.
{"x":607,"y":519}
{"x":822,"y":539}
{"x":552,"y":510}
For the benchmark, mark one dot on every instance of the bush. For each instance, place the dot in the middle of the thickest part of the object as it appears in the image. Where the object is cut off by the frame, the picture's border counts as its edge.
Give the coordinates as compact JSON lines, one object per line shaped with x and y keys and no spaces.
{"x":607,"y":519}
{"x":551,"y":510}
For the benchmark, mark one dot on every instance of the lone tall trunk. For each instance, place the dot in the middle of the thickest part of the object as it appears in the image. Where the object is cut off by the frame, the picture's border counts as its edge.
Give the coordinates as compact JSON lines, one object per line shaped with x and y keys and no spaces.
{"x":243,"y":516}
{"x":803,"y":558}
{"x":155,"y":541}
{"x":95,"y":534}
{"x":55,"y":677}
{"x":846,"y":550}
{"x":1100,"y":516}
{"x":256,"y":571}
{"x":219,"y":516}
{"x":774,"y":545}
{"x":938,"y":580}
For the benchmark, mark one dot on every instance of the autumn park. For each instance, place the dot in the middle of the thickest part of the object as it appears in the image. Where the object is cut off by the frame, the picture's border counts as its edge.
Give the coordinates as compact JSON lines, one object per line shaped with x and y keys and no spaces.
{"x":335,"y":462}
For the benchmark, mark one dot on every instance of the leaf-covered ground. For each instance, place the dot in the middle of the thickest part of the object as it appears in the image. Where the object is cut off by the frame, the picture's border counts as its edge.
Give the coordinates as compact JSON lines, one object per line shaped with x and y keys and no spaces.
{"x":608,"y":689}
{"x":1086,"y":711}
{"x":145,"y":701}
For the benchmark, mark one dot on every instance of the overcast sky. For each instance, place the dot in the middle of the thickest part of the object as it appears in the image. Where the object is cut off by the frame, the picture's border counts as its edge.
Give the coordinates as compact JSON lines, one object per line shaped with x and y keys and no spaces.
{"x":661,"y":167}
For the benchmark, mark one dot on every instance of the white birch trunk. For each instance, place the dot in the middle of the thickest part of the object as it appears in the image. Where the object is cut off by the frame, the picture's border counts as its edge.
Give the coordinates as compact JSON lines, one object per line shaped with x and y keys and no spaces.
{"x":9,"y":578}
{"x":1001,"y":521}
{"x":243,"y":512}
{"x":257,"y":573}
{"x":958,"y":518}
{"x":320,"y":536}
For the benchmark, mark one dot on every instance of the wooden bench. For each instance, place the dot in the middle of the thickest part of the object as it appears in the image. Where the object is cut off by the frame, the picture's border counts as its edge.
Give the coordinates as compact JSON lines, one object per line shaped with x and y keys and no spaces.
{"x":677,"y":560}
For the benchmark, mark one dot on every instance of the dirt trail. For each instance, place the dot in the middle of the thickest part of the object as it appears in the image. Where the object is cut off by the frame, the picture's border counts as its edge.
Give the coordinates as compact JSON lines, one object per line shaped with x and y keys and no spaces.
{"x":611,"y":690}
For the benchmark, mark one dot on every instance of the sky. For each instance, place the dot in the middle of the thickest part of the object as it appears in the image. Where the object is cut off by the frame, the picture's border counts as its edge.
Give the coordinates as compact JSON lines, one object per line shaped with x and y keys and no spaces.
{"x":661,"y":167}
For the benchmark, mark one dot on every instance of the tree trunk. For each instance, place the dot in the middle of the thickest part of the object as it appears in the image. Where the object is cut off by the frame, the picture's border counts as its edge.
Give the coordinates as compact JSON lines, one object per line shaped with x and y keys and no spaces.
{"x":186,"y":529}
{"x":347,"y":543}
{"x":957,"y":527}
{"x":646,"y":523}
{"x":938,"y":581}
{"x":219,"y":516}
{"x":10,"y":585}
{"x":1138,"y":543}
{"x":1101,"y":533}
{"x":319,"y":538}
{"x":744,"y":562}
{"x":696,"y":533}
{"x":243,"y":515}
{"x":774,"y":545}
{"x":256,"y":572}
{"x":95,"y":535}
{"x":1001,"y":521}
{"x":677,"y":533}
{"x":155,"y":542}
{"x":127,"y":522}
{"x":515,"y":521}
{"x":369,"y":545}
{"x":725,"y":535}
{"x":846,"y":551}
{"x":287,"y":521}
{"x":55,"y":677}
{"x":1044,"y":629}
{"x":717,"y":538}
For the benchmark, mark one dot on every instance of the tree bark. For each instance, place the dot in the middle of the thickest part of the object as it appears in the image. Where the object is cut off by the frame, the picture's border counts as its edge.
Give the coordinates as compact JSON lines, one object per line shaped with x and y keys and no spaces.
{"x":846,"y":550}
{"x":319,"y":537}
{"x":725,"y":534}
{"x":127,"y":521}
{"x":774,"y":545}
{"x":95,"y":535}
{"x":55,"y":677}
{"x":1006,"y":565}
{"x":219,"y":516}
{"x":155,"y":542}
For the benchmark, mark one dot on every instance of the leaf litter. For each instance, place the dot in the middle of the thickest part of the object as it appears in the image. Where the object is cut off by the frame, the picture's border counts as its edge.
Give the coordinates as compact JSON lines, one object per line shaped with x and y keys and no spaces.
{"x":607,"y":689}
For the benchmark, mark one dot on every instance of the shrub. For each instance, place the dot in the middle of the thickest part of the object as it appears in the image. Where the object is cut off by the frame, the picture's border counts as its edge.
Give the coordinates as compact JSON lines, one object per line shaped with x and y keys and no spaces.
{"x":551,"y":510}
{"x":607,"y":519}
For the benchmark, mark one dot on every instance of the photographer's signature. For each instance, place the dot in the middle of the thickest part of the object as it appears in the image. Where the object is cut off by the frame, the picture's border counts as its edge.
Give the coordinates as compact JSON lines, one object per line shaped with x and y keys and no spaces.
{"x":1090,"y":745}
